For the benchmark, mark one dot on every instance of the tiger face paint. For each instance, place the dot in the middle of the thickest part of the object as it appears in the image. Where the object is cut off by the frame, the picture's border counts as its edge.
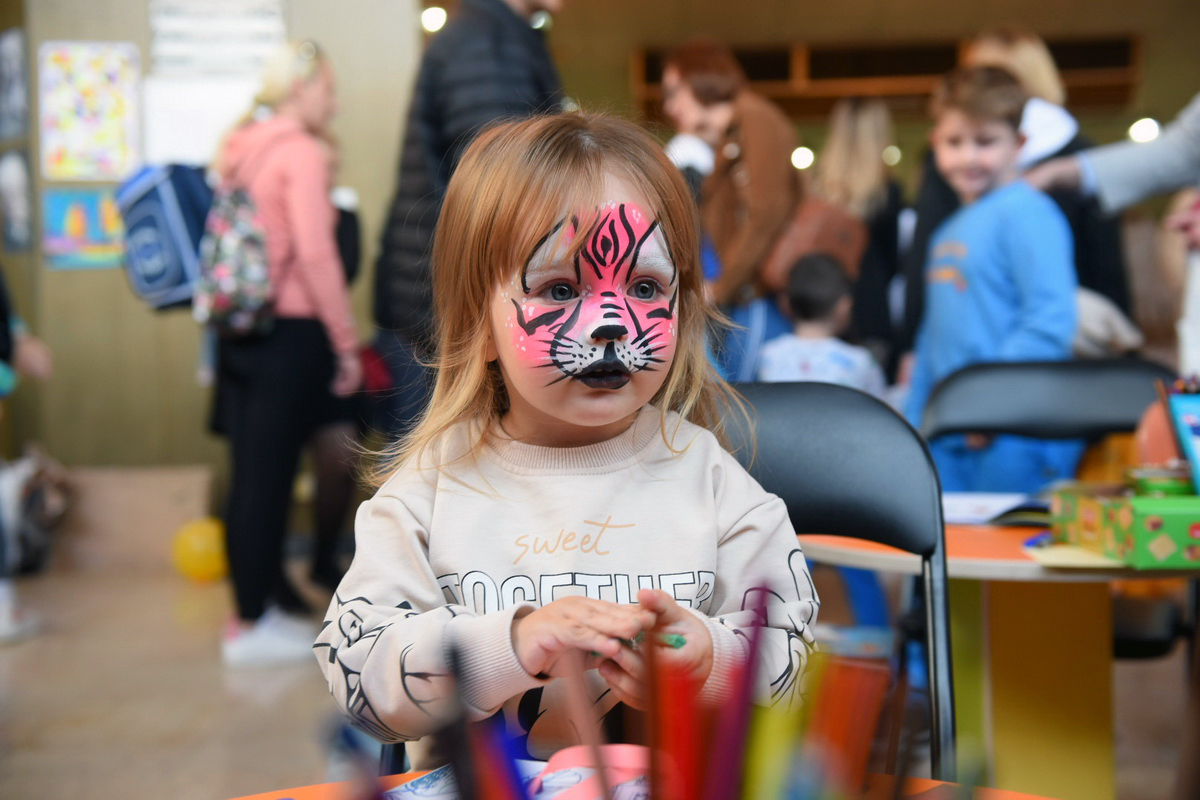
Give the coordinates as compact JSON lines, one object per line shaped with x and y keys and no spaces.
{"x":584,"y":338}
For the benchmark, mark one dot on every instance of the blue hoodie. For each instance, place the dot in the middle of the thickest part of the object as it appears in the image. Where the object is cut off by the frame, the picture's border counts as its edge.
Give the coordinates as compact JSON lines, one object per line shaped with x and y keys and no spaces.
{"x":1000,"y":286}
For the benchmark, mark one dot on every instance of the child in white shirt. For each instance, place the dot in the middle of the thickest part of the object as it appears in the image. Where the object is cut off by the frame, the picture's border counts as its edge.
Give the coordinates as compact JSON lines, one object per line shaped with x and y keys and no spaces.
{"x":566,"y":488}
{"x":819,"y":295}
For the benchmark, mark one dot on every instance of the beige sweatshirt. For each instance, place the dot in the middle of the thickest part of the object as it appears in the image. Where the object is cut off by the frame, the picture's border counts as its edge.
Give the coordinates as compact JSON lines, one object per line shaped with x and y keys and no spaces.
{"x":446,"y":557}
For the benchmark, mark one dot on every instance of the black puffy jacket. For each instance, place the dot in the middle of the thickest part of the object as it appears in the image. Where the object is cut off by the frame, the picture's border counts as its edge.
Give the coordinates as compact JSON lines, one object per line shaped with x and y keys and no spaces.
{"x":487,"y":63}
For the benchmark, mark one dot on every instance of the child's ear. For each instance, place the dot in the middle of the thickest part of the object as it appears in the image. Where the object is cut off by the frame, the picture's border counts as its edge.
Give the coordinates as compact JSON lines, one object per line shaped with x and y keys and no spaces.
{"x":1021,"y":139}
{"x":841,"y":312}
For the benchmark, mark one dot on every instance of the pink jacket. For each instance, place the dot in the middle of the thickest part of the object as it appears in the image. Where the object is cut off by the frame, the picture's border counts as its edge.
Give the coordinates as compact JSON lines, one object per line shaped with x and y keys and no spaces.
{"x":288,"y":171}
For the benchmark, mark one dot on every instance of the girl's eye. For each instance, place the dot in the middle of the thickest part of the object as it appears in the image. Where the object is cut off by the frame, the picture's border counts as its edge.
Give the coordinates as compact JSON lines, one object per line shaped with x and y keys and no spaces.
{"x":561,"y":292}
{"x":644,"y":290}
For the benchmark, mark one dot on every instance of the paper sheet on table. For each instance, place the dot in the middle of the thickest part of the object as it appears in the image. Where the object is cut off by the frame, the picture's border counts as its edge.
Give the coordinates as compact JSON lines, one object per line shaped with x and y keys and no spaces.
{"x":439,"y":784}
{"x":978,"y":508}
{"x":1071,"y":556}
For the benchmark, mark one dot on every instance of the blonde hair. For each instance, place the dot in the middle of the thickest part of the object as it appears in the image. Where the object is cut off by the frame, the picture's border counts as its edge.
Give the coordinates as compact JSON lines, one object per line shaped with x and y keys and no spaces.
{"x":298,"y":60}
{"x":851,"y":172}
{"x":515,"y":182}
{"x":1025,"y":55}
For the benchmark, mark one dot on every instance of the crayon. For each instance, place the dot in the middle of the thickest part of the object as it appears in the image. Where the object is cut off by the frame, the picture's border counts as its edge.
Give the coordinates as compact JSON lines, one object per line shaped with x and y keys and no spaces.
{"x":671,"y":640}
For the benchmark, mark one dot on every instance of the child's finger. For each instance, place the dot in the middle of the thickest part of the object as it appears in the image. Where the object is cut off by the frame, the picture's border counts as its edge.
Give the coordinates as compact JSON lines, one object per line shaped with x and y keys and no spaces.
{"x":579,"y":636}
{"x":630,"y":660}
{"x":662,"y":605}
{"x":617,"y":621}
{"x":627,"y":689}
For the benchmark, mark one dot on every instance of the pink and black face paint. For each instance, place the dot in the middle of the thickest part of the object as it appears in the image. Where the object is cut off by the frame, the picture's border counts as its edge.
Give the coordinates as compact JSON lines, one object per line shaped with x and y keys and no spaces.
{"x":609,"y":311}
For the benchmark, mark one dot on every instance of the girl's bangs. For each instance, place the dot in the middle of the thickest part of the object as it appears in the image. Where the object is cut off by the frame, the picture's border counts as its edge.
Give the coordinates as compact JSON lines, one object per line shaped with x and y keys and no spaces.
{"x":544,"y":206}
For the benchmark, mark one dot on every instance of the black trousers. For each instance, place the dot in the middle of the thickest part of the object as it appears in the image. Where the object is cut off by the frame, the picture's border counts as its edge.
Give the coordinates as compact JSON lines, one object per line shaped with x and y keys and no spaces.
{"x":272,"y":392}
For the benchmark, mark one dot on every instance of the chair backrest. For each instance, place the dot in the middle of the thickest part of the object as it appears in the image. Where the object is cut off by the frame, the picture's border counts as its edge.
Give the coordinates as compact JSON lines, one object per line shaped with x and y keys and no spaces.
{"x":1082,"y":399}
{"x":846,"y":464}
{"x":843,"y":462}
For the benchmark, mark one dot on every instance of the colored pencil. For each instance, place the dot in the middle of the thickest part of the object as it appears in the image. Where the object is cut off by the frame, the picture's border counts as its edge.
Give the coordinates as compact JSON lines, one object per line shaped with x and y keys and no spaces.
{"x":580,"y":711}
{"x":733,"y":718}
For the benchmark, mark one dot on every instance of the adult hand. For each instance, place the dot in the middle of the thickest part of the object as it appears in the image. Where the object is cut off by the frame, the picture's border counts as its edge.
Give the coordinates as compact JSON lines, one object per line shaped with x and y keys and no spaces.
{"x":1057,"y":173}
{"x":348,"y":377}
{"x":979,"y":441}
{"x":541,"y":637}
{"x":625,"y":673}
{"x":32,"y":357}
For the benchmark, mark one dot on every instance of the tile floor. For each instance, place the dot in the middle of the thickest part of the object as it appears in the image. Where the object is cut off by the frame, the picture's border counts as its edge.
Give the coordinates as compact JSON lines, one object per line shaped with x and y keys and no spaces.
{"x":123,"y":696}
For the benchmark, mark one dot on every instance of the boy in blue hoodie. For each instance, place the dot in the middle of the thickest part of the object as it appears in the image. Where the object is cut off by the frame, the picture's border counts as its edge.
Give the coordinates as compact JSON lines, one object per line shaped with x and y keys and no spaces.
{"x":1000,"y":279}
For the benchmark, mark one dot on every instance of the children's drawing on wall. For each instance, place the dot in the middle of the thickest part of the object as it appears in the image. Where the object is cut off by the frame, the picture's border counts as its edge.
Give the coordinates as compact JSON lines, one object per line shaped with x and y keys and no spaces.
{"x":16,"y":204}
{"x":82,"y":229}
{"x":88,"y":111}
{"x":14,"y":85}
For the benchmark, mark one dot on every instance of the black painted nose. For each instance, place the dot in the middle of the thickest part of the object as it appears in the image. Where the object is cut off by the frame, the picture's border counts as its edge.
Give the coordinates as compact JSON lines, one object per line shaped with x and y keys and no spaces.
{"x":610,"y":332}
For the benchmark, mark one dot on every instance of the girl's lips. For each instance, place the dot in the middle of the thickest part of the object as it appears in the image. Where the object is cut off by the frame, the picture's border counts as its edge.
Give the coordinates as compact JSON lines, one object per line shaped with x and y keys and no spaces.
{"x":604,"y":380}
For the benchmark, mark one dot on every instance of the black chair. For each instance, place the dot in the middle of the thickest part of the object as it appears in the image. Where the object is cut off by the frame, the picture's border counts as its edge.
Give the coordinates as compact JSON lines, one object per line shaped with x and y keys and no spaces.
{"x":1085,"y":399}
{"x":392,"y":760}
{"x":1044,"y":399}
{"x":847,"y":464}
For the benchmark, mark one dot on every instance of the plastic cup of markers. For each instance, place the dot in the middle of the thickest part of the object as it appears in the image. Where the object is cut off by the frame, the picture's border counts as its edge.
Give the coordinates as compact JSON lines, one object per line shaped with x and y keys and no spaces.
{"x":1160,"y":481}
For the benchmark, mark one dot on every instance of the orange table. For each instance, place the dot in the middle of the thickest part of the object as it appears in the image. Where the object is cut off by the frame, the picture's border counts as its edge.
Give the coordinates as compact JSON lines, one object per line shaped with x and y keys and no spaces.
{"x":344,"y":790}
{"x":914,"y":788}
{"x":1032,"y":656}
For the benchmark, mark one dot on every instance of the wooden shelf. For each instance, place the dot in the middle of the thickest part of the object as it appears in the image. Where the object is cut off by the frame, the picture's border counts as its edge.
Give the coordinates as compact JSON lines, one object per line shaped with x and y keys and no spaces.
{"x":807,"y":79}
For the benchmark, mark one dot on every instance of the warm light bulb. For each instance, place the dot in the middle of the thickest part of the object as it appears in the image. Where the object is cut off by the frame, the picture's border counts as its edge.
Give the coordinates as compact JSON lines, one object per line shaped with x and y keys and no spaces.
{"x":891,"y":155}
{"x":433,"y":18}
{"x":1144,"y":130}
{"x":803,"y":158}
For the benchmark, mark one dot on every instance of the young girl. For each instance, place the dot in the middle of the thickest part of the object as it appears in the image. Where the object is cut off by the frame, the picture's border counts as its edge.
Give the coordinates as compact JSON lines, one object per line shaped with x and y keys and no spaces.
{"x":561,"y":493}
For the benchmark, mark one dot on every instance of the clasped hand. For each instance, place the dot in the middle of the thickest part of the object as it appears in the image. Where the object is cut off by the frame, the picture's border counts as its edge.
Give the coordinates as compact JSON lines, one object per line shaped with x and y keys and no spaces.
{"x":543,"y":638}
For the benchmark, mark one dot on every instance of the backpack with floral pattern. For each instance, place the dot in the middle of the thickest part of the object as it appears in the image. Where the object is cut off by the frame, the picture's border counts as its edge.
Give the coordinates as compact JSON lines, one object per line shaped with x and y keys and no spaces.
{"x":233,"y":291}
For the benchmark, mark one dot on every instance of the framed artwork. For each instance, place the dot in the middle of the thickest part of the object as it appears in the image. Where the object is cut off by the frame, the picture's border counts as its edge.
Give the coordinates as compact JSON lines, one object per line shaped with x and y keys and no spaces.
{"x":14,"y":85}
{"x":16,"y":202}
{"x":88,"y":113}
{"x":81,"y":229}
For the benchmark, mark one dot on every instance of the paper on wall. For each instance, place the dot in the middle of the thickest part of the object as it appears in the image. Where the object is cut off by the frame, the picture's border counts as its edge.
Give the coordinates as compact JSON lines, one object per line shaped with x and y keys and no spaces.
{"x":88,"y":117}
{"x":185,"y":118}
{"x":192,"y":38}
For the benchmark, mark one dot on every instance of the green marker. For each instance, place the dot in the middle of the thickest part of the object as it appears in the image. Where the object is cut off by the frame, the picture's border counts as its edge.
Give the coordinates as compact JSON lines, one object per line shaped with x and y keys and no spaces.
{"x":671,"y":640}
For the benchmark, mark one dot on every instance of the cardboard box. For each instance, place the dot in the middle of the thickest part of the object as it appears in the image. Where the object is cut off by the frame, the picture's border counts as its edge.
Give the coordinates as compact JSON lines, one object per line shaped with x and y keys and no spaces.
{"x":1143,"y":532}
{"x":127,"y":517}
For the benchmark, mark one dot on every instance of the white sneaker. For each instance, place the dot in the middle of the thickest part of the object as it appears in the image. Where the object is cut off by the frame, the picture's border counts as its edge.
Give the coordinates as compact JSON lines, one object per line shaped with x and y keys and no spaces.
{"x":17,"y":626}
{"x":276,"y":638}
{"x":16,"y":623}
{"x":276,"y":617}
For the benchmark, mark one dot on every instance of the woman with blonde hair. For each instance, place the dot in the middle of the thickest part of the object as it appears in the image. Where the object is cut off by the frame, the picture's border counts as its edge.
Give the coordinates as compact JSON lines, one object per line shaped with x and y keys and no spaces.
{"x":275,"y":389}
{"x":1023,"y":54}
{"x":851,"y":173}
{"x":1050,"y":131}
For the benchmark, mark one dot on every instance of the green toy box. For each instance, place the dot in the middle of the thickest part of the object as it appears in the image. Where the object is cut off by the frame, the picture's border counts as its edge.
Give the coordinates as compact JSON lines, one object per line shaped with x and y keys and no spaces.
{"x":1143,"y":532}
